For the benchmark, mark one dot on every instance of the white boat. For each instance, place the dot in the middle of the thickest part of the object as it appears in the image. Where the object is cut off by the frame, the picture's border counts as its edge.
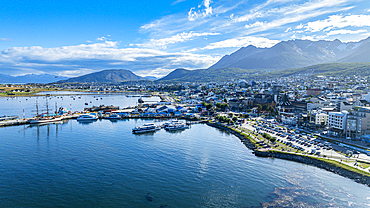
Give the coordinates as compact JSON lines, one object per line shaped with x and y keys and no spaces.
{"x":113,"y":116}
{"x":176,"y":126}
{"x":87,"y":117}
{"x":172,"y":122}
{"x":45,"y":120}
{"x":150,"y":127}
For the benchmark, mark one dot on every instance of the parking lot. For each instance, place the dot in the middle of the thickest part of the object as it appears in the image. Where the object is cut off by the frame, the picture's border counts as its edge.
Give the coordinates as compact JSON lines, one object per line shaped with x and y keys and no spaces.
{"x":307,"y":143}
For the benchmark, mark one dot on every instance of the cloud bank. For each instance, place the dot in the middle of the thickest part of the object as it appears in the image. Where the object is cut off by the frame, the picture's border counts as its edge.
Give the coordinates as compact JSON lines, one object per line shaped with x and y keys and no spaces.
{"x":86,"y":58}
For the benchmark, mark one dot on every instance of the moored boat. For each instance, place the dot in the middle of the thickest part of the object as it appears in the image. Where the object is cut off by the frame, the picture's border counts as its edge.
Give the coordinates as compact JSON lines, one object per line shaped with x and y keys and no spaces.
{"x":113,"y":116}
{"x":45,"y":120}
{"x":87,"y":117}
{"x":150,"y":127}
{"x":176,"y":126}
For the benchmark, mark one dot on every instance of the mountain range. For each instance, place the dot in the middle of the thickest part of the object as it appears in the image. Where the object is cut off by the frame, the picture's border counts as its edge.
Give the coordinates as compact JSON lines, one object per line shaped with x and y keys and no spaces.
{"x":295,"y":54}
{"x":206,"y":75}
{"x":286,"y":57}
{"x":29,"y":78}
{"x":106,"y":76}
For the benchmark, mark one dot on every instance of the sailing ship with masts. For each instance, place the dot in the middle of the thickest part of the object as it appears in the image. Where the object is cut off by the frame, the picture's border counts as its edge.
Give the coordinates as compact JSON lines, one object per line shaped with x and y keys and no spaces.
{"x":45,"y":117}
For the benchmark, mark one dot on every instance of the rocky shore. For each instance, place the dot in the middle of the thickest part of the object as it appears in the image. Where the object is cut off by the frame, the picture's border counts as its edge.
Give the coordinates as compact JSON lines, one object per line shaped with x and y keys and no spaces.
{"x":358,"y":177}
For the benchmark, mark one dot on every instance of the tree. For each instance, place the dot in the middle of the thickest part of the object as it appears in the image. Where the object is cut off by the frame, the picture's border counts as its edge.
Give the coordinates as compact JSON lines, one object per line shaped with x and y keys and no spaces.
{"x":235,"y":119}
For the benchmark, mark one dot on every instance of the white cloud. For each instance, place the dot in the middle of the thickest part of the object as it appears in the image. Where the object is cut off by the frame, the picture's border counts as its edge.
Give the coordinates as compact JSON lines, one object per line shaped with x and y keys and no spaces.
{"x":207,"y":11}
{"x":313,"y":6}
{"x":150,"y":25}
{"x":5,"y":39}
{"x":68,"y":60}
{"x":342,"y":32}
{"x":338,"y":21}
{"x":313,"y":37}
{"x":177,"y":1}
{"x":256,"y":24}
{"x":300,"y":26}
{"x":182,"y":37}
{"x":288,"y":29}
{"x":192,"y":15}
{"x":102,"y":38}
{"x":242,"y":42}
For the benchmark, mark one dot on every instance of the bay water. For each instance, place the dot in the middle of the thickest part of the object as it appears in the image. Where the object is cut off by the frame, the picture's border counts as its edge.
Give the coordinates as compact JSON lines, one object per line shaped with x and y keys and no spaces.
{"x":102,"y":164}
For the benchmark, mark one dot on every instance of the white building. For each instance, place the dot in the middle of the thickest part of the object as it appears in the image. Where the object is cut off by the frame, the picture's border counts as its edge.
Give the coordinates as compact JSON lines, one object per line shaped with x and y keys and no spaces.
{"x":319,"y":117}
{"x":337,"y":120}
{"x":366,"y":97}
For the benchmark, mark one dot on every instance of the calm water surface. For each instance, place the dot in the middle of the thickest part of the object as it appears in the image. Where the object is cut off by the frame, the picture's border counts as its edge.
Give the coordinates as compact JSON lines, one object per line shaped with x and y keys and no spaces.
{"x":15,"y":105}
{"x":102,"y":164}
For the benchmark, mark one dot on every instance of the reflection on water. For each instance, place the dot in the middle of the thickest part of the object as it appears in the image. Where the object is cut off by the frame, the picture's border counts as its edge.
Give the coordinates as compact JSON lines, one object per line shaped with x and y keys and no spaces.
{"x":102,"y":164}
{"x":86,"y":122}
{"x":307,"y":191}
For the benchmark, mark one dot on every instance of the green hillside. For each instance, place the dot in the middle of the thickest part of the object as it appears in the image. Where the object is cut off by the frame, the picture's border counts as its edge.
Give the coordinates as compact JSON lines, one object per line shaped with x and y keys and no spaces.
{"x":206,"y":75}
{"x":105,"y":76}
{"x":331,"y":69}
{"x":227,"y":74}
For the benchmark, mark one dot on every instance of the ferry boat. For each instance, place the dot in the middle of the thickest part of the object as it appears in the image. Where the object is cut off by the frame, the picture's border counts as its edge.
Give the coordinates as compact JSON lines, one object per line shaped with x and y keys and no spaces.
{"x":150,"y":127}
{"x":87,"y":117}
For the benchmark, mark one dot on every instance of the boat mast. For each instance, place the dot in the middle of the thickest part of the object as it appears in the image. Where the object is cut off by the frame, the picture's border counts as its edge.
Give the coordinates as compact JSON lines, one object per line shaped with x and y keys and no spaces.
{"x":47,"y":107}
{"x":37,"y":109}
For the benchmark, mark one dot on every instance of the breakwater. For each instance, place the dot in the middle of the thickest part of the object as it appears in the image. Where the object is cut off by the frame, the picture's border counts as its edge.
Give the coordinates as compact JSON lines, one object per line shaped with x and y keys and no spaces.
{"x":245,"y":140}
{"x":343,"y":170}
{"x":358,"y":177}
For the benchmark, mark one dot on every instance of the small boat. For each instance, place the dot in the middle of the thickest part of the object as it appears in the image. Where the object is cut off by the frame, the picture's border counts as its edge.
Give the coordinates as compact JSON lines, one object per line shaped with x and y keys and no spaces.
{"x":113,"y":116}
{"x":176,"y":125}
{"x":150,"y":127}
{"x":87,"y":117}
{"x":86,"y":103}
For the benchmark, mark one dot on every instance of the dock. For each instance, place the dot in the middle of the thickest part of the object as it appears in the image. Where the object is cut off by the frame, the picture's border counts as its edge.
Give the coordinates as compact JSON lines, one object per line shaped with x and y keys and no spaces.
{"x":14,"y":122}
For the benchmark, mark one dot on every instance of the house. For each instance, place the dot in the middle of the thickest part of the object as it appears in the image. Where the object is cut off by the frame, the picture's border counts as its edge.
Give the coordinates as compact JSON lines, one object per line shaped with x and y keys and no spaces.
{"x":286,"y":110}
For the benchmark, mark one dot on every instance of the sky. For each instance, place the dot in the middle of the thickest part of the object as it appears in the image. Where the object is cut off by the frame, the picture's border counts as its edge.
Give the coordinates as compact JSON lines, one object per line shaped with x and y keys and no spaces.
{"x":152,"y":38}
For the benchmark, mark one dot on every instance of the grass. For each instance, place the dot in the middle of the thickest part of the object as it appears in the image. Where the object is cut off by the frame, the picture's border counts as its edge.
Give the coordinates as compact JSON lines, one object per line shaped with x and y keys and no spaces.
{"x":363,"y":165}
{"x":333,"y":162}
{"x":304,"y":154}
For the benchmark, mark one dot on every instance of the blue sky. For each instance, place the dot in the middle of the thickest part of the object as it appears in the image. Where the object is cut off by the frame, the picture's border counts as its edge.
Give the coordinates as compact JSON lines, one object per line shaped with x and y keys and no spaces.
{"x":152,"y":38}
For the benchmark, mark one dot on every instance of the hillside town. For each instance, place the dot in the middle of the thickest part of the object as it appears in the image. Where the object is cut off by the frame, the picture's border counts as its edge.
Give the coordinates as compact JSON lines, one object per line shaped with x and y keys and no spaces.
{"x":335,"y":106}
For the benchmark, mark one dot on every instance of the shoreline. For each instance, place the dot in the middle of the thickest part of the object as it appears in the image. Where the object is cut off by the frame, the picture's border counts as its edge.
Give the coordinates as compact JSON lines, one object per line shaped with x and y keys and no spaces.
{"x":329,"y":165}
{"x":332,"y":166}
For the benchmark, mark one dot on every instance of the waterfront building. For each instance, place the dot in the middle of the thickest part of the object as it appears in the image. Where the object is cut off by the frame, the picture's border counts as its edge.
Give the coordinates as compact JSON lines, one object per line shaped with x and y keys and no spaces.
{"x":358,"y":121}
{"x":337,"y":121}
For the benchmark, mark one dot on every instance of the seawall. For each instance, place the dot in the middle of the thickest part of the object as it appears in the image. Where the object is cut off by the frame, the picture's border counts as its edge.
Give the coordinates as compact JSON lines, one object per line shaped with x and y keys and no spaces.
{"x":358,"y":177}
{"x":245,"y":140}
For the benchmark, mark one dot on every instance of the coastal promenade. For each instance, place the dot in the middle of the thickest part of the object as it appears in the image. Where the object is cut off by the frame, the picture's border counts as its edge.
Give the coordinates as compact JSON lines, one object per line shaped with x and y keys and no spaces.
{"x":331,"y":160}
